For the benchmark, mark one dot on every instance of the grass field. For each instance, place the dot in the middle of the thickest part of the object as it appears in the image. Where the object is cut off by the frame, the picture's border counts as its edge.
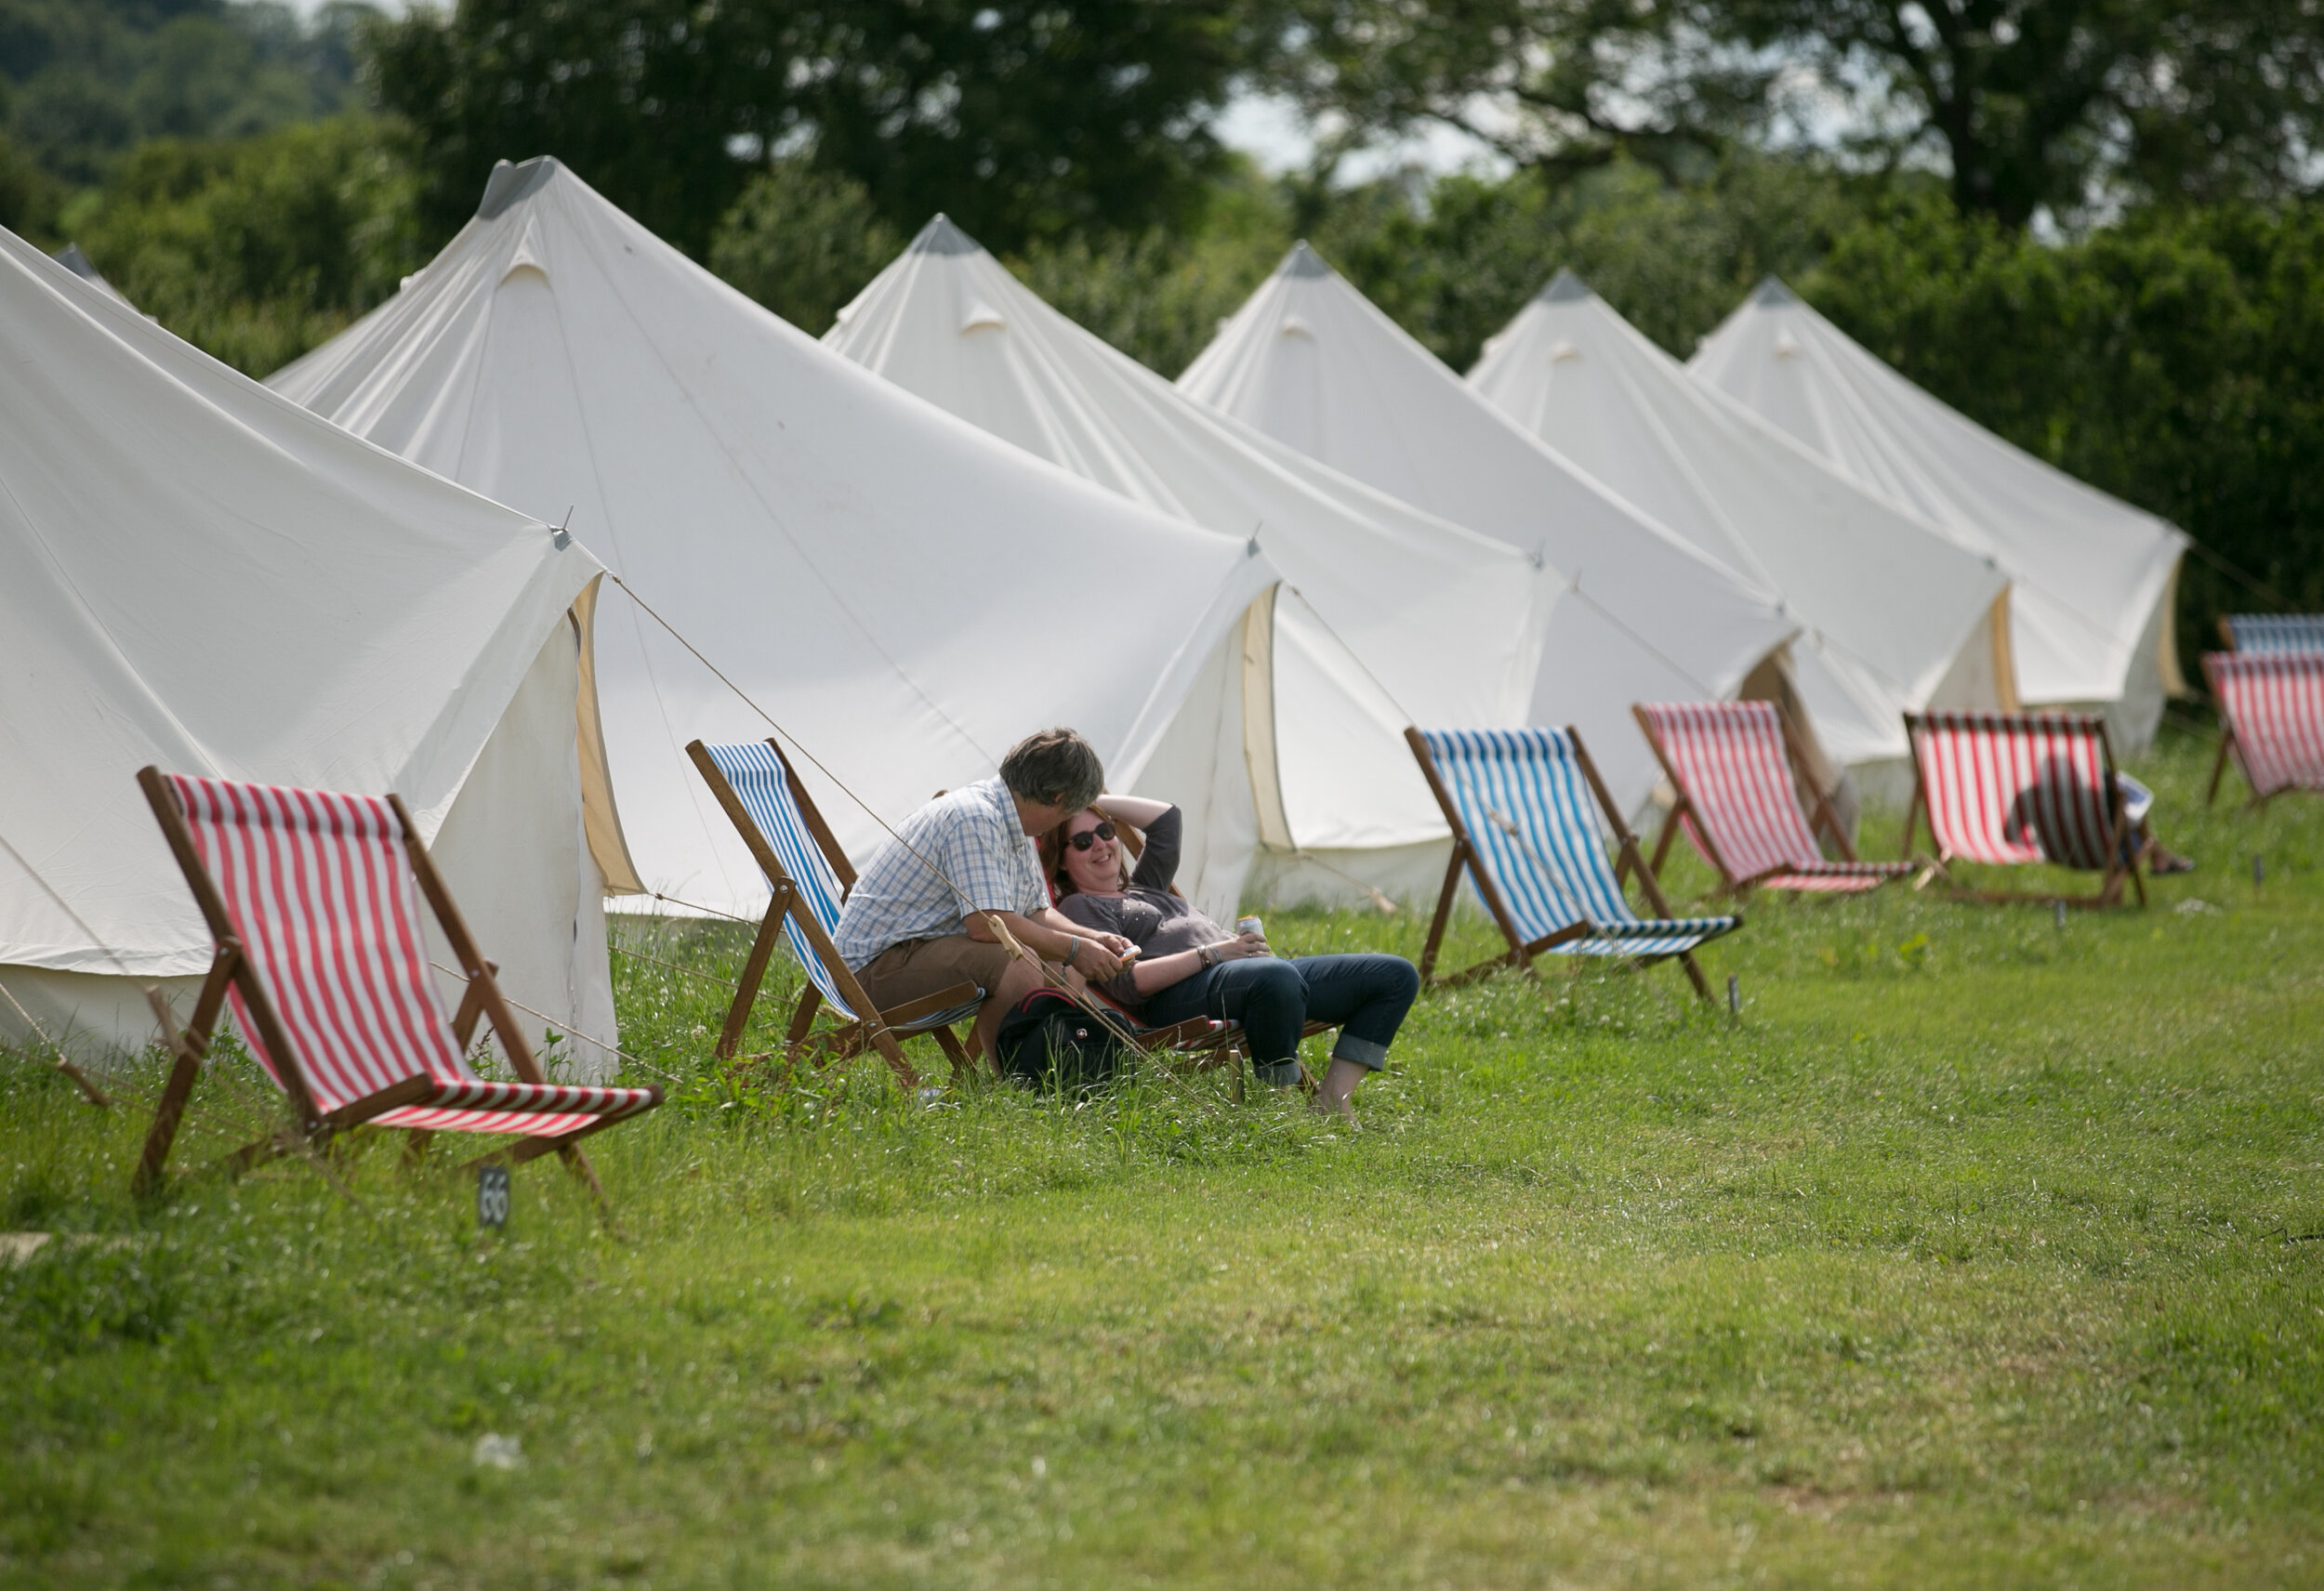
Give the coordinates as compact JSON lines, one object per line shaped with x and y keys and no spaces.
{"x":1976,"y":1253}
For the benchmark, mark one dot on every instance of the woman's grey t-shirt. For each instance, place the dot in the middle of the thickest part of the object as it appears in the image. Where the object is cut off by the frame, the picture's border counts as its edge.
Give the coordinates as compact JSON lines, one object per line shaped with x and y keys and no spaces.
{"x":1146,"y":913}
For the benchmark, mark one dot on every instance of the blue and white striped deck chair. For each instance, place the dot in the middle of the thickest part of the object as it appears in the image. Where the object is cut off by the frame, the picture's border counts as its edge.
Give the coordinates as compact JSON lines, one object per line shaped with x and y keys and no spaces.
{"x":810,"y":875}
{"x":2274,"y":632}
{"x":1523,"y":805}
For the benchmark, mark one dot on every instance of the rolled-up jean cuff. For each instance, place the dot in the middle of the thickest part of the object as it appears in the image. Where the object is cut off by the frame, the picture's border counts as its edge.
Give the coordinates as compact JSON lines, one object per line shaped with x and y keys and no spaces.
{"x":1276,"y":1073}
{"x":1364,"y":1052}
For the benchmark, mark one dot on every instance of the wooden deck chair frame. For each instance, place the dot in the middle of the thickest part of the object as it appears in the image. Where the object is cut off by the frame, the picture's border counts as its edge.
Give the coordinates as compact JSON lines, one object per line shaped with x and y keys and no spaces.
{"x":2111,"y":882}
{"x":229,"y":969}
{"x":1210,"y":1044}
{"x":879,"y":1030}
{"x":1823,"y":817}
{"x":2229,"y":744}
{"x":1464,"y":855}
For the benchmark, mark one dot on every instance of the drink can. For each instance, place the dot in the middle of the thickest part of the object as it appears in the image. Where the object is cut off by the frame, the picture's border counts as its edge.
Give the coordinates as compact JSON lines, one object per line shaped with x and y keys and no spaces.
{"x":1249,"y":925}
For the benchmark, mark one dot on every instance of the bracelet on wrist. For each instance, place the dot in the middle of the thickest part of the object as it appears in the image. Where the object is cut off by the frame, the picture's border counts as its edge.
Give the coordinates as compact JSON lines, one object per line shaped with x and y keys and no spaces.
{"x":1073,"y":948}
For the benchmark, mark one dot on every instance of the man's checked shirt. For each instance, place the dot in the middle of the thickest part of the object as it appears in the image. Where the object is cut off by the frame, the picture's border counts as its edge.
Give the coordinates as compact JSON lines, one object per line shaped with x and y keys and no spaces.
{"x":973,"y":838}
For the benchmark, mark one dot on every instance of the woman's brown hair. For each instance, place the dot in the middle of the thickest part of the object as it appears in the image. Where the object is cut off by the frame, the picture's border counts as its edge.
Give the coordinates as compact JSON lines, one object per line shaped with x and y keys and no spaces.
{"x":1051,"y":847}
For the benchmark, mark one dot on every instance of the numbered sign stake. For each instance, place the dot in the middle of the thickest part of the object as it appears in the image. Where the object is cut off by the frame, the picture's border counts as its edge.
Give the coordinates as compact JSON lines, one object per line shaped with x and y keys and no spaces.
{"x":492,"y":1196}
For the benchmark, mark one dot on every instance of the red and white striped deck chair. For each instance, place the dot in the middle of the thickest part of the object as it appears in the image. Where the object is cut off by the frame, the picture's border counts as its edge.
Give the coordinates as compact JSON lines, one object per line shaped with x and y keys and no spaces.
{"x":2016,"y":788}
{"x":2272,"y":705}
{"x":1731,"y":764}
{"x":309,"y":897}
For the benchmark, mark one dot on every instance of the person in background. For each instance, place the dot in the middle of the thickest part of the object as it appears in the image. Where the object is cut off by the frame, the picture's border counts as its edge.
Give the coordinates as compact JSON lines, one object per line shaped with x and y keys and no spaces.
{"x":2140,"y":844}
{"x":1187,"y":965}
{"x":915,"y":922}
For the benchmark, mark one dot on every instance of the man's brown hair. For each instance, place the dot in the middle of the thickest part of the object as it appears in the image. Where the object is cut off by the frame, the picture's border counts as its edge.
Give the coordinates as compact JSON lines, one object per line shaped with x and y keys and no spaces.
{"x":1056,"y":768}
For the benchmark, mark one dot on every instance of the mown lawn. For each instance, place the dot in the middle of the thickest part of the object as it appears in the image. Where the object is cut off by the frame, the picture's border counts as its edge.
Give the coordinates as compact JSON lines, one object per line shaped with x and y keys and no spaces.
{"x":1976,"y":1253}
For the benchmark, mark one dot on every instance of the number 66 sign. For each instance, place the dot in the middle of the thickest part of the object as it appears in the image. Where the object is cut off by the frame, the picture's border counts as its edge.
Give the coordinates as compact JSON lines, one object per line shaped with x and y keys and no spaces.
{"x":492,"y":1196}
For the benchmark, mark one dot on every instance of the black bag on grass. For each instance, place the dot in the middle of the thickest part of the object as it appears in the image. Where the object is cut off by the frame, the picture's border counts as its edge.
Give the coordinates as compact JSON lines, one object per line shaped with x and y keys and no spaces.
{"x":1051,"y":1042}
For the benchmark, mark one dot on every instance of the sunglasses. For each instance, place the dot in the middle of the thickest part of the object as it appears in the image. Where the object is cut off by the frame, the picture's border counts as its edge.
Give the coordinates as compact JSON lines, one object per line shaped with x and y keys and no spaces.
{"x":1088,"y":837}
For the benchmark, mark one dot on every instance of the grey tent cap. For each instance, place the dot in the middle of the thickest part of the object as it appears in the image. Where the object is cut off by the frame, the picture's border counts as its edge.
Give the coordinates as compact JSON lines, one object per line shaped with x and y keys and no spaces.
{"x":1771,"y":293}
{"x":1302,"y":261}
{"x":940,"y":236}
{"x":509,"y":183}
{"x":73,"y":261}
{"x":1564,"y":288}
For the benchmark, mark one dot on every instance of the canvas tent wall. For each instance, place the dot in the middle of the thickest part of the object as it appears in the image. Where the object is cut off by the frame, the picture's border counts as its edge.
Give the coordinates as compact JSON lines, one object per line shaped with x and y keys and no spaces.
{"x":1900,"y":617}
{"x":2091,"y":577}
{"x":902,"y":592}
{"x":197,"y":573}
{"x":1389,"y":615}
{"x":1311,"y":362}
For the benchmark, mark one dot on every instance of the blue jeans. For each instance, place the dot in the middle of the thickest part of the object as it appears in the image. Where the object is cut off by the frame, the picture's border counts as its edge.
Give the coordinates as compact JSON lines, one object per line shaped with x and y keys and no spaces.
{"x":1273,"y":998}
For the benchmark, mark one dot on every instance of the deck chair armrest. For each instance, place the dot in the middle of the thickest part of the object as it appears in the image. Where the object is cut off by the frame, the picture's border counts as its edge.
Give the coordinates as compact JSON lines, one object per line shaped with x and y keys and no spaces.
{"x":930,"y":1004}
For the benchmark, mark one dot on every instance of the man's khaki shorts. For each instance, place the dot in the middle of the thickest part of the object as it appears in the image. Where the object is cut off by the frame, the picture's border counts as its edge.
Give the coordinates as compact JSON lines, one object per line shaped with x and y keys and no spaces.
{"x":916,"y":969}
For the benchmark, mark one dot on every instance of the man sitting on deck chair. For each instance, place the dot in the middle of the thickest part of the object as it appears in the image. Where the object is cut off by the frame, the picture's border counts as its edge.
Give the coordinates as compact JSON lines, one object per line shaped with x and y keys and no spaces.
{"x":913,"y":924}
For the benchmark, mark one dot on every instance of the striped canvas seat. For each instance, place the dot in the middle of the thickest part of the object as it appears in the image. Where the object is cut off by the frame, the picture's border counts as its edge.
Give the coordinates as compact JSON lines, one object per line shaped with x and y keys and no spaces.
{"x":803,"y":866}
{"x":310,"y":897}
{"x":2274,"y":632}
{"x":2013,"y":788}
{"x":319,"y":894}
{"x":1731,"y":765}
{"x":2273,"y":707}
{"x":762,"y":783}
{"x":1524,"y":807}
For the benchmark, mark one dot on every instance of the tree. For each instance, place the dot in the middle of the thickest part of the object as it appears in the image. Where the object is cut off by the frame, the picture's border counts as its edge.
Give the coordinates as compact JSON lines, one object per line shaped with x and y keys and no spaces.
{"x":86,"y":79}
{"x":2064,"y":103}
{"x":1023,"y":119}
{"x":2176,"y":360}
{"x":257,"y":249}
{"x":1673,"y":258}
{"x":803,"y":243}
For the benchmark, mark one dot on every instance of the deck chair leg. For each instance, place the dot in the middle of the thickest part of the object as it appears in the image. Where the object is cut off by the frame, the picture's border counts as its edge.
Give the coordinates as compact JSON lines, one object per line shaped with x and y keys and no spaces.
{"x":188,"y":1046}
{"x":166,"y":1117}
{"x":1695,"y":975}
{"x":1234,"y":1074}
{"x":754,"y":972}
{"x":1663,"y":840}
{"x":2219,"y":766}
{"x":415,"y":1144}
{"x":949,"y":1042}
{"x":1443,"y":909}
{"x":577,"y":1162}
{"x":260,"y":1150}
{"x":884,"y":1041}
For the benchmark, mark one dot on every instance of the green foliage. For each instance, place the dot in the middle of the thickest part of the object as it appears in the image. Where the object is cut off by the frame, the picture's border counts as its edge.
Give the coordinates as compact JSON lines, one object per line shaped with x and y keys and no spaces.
{"x":1021,"y":119}
{"x":2069,"y":103}
{"x":85,"y":79}
{"x":1971,"y":1231}
{"x":2176,"y":360}
{"x":28,"y":196}
{"x":1160,"y":295}
{"x":258,"y":249}
{"x":803,"y":243}
{"x":1675,"y":258}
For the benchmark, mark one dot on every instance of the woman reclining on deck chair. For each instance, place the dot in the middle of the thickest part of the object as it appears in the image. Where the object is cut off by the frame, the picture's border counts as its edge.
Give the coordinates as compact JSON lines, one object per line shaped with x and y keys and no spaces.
{"x":1188,"y":966}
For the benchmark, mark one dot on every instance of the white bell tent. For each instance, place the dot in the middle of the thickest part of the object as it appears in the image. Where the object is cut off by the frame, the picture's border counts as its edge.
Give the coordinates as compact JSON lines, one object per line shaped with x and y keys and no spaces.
{"x":76,"y":260}
{"x":1900,"y":616}
{"x":197,"y":573}
{"x":905,"y":593}
{"x":1311,"y":362}
{"x":1445,"y":625}
{"x":2091,"y":578}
